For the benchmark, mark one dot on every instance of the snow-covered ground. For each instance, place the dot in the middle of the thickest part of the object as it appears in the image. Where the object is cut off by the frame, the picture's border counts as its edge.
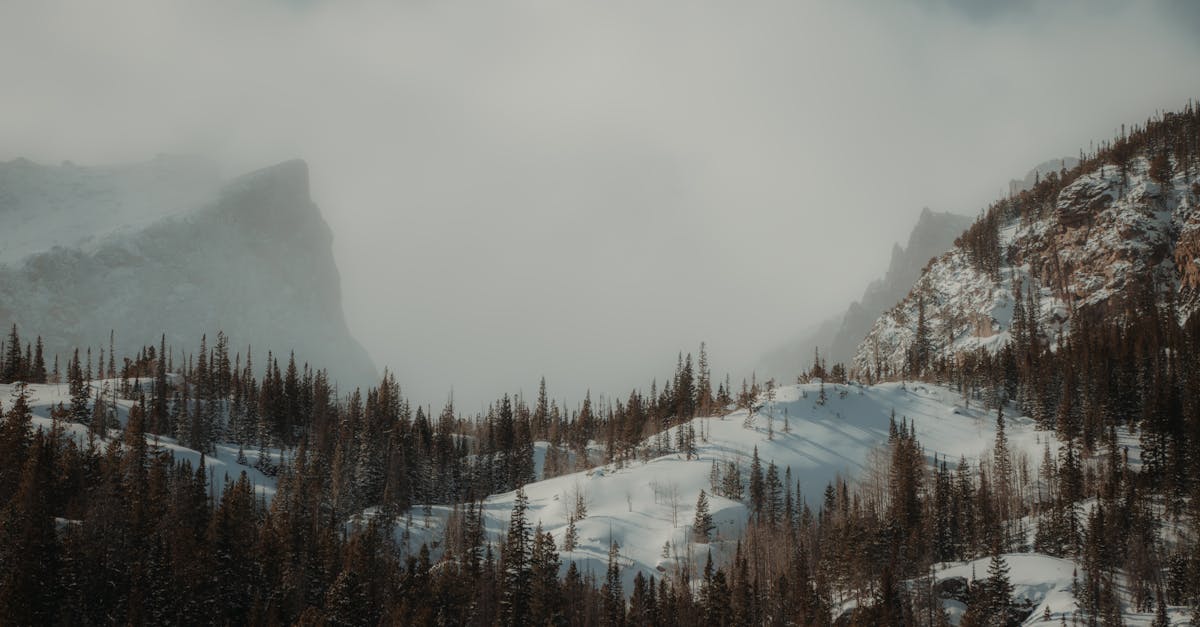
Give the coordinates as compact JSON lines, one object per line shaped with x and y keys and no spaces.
{"x":1047,"y":584}
{"x":222,"y":466}
{"x":645,"y":505}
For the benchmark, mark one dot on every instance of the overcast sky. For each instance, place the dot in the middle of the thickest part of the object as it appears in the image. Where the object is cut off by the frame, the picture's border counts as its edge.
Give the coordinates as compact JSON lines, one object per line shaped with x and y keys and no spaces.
{"x":582,"y":189}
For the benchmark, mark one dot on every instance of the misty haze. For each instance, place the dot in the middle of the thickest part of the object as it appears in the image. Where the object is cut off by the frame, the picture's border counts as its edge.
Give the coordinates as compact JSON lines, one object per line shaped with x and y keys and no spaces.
{"x":525,"y":312}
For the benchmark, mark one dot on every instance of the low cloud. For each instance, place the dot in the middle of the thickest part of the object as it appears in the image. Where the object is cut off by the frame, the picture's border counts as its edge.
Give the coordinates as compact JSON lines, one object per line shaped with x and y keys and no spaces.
{"x":527,"y":187}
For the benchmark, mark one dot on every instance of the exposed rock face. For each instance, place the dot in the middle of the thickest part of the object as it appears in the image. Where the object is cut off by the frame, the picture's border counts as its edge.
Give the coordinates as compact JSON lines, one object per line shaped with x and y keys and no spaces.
{"x":252,"y":258}
{"x":1100,"y":238}
{"x":838,"y":339}
{"x":1187,"y":252}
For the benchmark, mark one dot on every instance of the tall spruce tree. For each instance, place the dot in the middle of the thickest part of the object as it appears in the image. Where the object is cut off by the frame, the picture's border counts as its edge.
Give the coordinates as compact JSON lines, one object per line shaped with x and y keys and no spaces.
{"x":13,"y":367}
{"x":702,"y":525}
{"x":515,"y":564}
{"x":613,"y":593}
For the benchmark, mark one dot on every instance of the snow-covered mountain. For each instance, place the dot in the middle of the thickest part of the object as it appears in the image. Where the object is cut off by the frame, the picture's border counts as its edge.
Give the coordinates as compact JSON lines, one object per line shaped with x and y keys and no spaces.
{"x":166,"y":247}
{"x":1085,"y":242}
{"x":838,"y":338}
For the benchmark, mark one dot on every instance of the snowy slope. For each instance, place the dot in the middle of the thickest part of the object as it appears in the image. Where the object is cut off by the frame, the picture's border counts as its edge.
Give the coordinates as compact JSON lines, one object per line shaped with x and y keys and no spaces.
{"x":633,"y":505}
{"x":222,"y":467}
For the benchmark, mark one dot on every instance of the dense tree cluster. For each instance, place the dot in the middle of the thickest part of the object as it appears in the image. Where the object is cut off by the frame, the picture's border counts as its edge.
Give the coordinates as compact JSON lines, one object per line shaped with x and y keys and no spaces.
{"x":29,"y":366}
{"x":114,"y":527}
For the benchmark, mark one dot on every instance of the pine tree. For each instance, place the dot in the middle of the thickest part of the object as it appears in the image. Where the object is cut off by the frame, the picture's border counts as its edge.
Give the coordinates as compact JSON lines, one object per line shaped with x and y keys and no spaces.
{"x":757,"y":486}
{"x":545,"y":596}
{"x":704,"y":394}
{"x":515,"y":558}
{"x":158,"y":415}
{"x":112,"y":356}
{"x":708,"y":600}
{"x":965,"y":509}
{"x":613,"y":594}
{"x":13,"y":368}
{"x":581,"y":503}
{"x":37,"y":371}
{"x":731,"y":482}
{"x":773,"y":495}
{"x":571,"y":535}
{"x":80,"y":393}
{"x":920,"y":350}
{"x":702,"y":526}
{"x":641,"y":602}
{"x":473,"y":540}
{"x":16,"y":435}
{"x":541,"y":415}
{"x":1002,"y":469}
{"x":29,"y":552}
{"x":945,"y":538}
{"x":233,"y":535}
{"x":369,"y":470}
{"x":998,"y":589}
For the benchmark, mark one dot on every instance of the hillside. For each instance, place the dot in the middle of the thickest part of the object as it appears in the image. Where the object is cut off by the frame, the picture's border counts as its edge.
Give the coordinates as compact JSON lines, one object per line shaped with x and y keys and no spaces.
{"x":643,"y":506}
{"x":221,"y":463}
{"x":1118,"y":229}
{"x":164,"y":247}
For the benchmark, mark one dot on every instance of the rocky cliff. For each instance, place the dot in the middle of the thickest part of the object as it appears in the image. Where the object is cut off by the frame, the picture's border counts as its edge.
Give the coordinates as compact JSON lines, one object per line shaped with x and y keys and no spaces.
{"x":1116,"y":228}
{"x":165,"y":247}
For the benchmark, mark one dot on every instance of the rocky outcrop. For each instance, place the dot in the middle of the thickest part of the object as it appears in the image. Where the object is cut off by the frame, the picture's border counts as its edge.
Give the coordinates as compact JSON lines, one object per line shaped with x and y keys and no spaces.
{"x":253,"y":260}
{"x":1187,"y":252}
{"x":838,"y":338}
{"x":1091,"y":243}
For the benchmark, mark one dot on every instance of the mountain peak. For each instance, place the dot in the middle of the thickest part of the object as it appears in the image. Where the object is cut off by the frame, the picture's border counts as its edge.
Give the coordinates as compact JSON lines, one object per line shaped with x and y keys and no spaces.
{"x":253,"y":258}
{"x":291,"y":174}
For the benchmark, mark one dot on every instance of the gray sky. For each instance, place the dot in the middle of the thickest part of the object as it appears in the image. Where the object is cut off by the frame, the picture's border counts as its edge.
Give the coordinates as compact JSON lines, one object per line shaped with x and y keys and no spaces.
{"x":528,"y":187}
